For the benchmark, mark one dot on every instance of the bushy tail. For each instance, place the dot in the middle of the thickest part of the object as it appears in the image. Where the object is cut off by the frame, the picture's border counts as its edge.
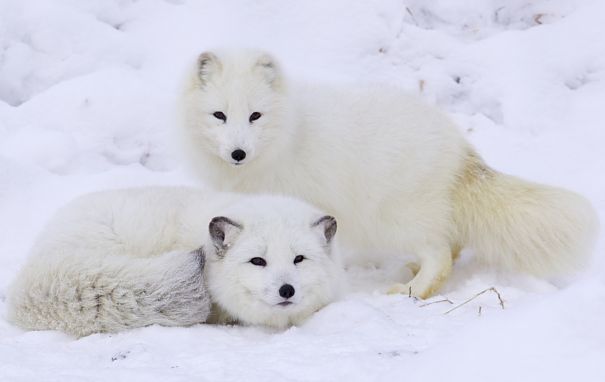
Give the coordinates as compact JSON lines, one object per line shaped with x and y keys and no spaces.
{"x":87,"y":294}
{"x":542,"y":230}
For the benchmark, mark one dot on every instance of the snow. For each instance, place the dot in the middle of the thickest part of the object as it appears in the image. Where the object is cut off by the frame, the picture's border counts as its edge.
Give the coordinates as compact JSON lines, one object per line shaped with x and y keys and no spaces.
{"x":87,"y":101}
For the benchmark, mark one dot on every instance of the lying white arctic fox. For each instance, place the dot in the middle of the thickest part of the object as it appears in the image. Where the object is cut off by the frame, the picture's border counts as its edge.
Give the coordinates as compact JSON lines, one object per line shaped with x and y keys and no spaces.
{"x":395,"y":172}
{"x":129,"y":258}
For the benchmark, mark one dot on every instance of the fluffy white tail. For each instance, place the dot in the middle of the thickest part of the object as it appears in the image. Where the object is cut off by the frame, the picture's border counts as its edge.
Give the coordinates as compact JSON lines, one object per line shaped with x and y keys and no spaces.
{"x":524,"y":226}
{"x":87,"y":294}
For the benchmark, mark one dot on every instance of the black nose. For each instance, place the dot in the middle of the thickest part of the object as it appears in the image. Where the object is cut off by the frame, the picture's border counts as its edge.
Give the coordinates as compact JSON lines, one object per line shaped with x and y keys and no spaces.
{"x":238,"y":155}
{"x":286,"y":291}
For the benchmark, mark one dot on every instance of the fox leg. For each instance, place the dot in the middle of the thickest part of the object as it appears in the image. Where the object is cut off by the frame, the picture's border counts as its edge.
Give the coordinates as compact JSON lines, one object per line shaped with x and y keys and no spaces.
{"x":435,"y":267}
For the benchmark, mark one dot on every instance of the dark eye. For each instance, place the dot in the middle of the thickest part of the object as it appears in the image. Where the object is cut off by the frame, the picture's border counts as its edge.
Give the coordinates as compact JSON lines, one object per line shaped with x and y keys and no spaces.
{"x":259,"y":261}
{"x":220,"y":115}
{"x":254,"y":116}
{"x":298,"y":259}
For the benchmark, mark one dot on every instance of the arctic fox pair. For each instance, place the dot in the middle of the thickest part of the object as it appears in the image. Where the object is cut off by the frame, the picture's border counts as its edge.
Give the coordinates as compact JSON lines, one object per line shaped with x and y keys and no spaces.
{"x":395,"y":172}
{"x":129,"y":258}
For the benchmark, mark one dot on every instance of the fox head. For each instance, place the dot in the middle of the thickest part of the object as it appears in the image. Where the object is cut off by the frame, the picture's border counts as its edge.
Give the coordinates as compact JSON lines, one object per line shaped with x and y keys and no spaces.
{"x":273,"y":261}
{"x":235,"y":106}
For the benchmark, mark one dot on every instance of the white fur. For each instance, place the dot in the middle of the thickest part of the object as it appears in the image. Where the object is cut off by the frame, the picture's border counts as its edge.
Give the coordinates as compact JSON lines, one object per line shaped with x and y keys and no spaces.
{"x":121,"y":259}
{"x":395,"y":172}
{"x":277,"y":230}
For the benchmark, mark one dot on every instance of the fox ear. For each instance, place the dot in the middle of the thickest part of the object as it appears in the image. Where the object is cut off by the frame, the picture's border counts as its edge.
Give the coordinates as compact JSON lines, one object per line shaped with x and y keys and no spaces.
{"x":269,"y":68}
{"x":207,"y":64}
{"x":223,"y":232}
{"x":327,"y":227}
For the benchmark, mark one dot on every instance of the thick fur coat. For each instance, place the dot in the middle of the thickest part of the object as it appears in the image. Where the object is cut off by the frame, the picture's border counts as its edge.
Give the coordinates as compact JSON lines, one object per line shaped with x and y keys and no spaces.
{"x":396,"y":173}
{"x":115,"y":260}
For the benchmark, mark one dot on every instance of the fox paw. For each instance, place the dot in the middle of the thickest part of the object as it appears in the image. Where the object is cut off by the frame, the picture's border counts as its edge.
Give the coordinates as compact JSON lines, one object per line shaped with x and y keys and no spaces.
{"x":401,"y":289}
{"x":411,"y":290}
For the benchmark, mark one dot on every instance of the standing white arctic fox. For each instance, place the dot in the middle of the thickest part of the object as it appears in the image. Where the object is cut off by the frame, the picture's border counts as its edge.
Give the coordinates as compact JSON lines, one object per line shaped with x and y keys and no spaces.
{"x":129,"y":258}
{"x":395,"y":172}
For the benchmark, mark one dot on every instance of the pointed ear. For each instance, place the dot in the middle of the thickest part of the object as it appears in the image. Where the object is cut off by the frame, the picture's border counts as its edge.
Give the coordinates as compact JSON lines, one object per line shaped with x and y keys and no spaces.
{"x":223,"y":232}
{"x":327,"y":227}
{"x":207,"y":64}
{"x":269,"y":69}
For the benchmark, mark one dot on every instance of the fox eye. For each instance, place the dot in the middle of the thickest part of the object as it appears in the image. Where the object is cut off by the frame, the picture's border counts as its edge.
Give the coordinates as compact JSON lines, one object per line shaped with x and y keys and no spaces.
{"x":254,"y":116}
{"x":258,"y":261}
{"x":220,"y":115}
{"x":299,"y":259}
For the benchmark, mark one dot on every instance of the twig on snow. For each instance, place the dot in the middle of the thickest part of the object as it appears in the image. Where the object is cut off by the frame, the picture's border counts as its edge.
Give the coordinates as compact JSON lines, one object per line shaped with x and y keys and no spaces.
{"x":538,"y":18}
{"x":436,"y":302}
{"x":409,"y":11}
{"x":492,"y":289}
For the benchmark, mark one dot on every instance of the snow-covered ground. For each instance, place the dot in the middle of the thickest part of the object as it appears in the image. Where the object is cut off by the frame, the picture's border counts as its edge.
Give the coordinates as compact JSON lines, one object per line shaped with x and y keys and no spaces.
{"x":87,"y":96}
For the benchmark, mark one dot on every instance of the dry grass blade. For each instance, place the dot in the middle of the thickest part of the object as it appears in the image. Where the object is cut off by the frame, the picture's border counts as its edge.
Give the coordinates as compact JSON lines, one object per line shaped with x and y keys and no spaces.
{"x":409,"y":11}
{"x":538,"y":18}
{"x":492,"y":289}
{"x":436,"y":302}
